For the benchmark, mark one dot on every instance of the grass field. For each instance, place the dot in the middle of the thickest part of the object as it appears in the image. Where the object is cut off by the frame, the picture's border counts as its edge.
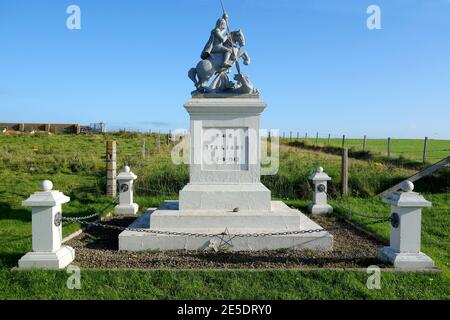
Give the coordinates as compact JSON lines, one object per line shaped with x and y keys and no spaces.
{"x":75,"y":164}
{"x":407,"y":148}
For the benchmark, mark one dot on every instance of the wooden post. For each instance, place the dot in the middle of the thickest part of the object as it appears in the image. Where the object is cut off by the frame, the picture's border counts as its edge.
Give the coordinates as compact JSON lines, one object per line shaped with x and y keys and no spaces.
{"x":111,"y":166}
{"x":143,"y":148}
{"x":389,"y":148}
{"x":298,"y":135}
{"x":343,"y":141}
{"x":306,"y":136}
{"x":364,"y":143}
{"x":169,"y":136}
{"x":344,"y":173}
{"x":317,"y":139}
{"x":158,"y":141}
{"x":77,"y":129}
{"x":47,"y":128}
{"x":329,"y":136}
{"x":22,"y":127}
{"x":425,"y":149}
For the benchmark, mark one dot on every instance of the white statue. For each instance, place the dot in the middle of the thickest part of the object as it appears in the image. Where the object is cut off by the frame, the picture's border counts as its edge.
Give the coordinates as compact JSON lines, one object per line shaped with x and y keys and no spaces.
{"x":221,"y":52}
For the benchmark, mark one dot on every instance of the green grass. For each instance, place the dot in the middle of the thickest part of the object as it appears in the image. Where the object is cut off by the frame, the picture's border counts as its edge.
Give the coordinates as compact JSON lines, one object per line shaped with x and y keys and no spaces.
{"x":167,"y":284}
{"x":405,"y":148}
{"x":75,"y":164}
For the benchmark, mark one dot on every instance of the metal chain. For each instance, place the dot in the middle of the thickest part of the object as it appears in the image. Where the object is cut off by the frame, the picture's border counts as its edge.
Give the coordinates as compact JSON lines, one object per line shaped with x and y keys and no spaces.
{"x":96,"y":214}
{"x":82,"y":218}
{"x":209,"y":235}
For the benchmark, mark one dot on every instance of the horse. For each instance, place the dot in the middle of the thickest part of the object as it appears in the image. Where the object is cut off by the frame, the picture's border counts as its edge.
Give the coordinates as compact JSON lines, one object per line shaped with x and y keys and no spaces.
{"x":206,"y":68}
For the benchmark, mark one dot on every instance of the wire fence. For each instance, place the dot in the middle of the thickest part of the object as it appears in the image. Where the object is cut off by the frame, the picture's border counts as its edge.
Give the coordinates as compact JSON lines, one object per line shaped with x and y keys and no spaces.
{"x":418,"y":150}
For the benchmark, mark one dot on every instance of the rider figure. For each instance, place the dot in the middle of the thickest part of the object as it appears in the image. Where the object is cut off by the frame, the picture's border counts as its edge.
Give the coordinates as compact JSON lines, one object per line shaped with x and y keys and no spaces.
{"x":216,"y":42}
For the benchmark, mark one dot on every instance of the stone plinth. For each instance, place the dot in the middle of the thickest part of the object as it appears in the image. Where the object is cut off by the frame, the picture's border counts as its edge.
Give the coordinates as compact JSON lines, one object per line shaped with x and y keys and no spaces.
{"x":320,"y":205}
{"x":48,"y":253}
{"x":405,"y":238}
{"x":126,"y":205}
{"x":224,"y":194}
{"x":225,"y":155}
{"x":169,"y":218}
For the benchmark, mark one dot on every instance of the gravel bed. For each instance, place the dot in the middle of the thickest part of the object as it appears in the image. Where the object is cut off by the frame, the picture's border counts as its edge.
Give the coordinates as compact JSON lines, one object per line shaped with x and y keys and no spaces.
{"x":97,"y":248}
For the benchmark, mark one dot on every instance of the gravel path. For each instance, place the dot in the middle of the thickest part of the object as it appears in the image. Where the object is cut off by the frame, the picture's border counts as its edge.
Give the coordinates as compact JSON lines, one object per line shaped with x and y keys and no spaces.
{"x":97,"y":248}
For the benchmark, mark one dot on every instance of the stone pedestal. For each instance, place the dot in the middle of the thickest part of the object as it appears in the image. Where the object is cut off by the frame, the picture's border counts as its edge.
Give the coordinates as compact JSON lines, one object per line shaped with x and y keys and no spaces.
{"x":320,"y":205}
{"x":404,"y":250}
{"x":225,"y":154}
{"x":224,"y":194}
{"x":126,"y":205}
{"x":48,"y":253}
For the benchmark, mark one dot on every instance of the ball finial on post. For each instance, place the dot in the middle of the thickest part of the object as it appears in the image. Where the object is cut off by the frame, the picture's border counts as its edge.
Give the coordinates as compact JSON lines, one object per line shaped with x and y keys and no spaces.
{"x":407,"y":186}
{"x":46,"y":185}
{"x":126,"y":169}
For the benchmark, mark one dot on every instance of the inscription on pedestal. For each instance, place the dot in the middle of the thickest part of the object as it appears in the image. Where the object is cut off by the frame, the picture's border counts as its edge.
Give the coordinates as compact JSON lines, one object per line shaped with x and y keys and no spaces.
{"x":225,"y":149}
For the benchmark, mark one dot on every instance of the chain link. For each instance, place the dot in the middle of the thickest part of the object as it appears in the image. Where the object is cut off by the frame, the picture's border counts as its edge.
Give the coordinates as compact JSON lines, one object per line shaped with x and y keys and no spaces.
{"x":210,"y":235}
{"x":96,"y":214}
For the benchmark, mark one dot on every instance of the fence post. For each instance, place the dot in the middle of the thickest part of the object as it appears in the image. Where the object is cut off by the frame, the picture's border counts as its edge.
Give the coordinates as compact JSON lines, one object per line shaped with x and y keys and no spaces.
{"x":298,"y":135}
{"x":126,"y":206}
{"x":317,"y":139}
{"x":290,"y":135}
{"x":364,"y":143}
{"x":343,"y":141}
{"x":111,"y":187}
{"x":143,"y":148}
{"x":306,"y":136}
{"x":329,"y":136}
{"x":389,"y":148}
{"x":344,"y":173}
{"x":158,"y":140}
{"x":406,"y":219}
{"x":425,"y":149}
{"x":22,"y":127}
{"x":46,"y":224}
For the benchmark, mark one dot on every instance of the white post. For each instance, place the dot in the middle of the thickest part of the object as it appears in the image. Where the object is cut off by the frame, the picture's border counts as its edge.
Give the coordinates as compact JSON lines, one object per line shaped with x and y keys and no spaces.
{"x":406,"y":211}
{"x":48,"y":253}
{"x":126,"y":205}
{"x":320,"y":205}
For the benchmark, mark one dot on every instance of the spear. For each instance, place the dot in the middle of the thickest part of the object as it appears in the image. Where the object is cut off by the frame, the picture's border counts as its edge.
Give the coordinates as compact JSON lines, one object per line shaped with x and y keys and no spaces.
{"x":238,"y":67}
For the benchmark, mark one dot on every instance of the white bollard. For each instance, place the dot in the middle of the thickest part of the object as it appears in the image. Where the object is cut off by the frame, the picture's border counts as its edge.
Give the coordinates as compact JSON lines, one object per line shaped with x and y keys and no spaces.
{"x":126,"y":205}
{"x":320,"y":205}
{"x":48,"y":253}
{"x":406,"y":211}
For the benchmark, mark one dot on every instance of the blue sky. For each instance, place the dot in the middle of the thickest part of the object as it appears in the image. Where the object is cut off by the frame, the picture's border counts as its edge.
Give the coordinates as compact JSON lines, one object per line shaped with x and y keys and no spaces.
{"x":314,"y":61}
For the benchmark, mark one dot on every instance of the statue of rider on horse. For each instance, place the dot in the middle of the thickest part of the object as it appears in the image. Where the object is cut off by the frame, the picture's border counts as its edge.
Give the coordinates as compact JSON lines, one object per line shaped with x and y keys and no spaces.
{"x":221,"y":52}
